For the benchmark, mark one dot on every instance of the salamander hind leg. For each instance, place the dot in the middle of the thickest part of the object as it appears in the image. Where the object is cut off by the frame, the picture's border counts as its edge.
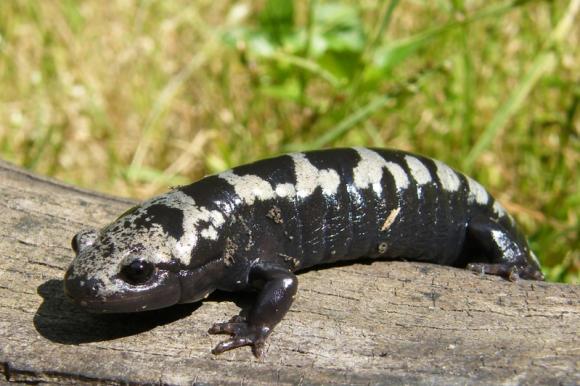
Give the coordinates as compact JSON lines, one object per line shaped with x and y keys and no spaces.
{"x":505,"y":270}
{"x":500,"y":251}
{"x":273,"y":301}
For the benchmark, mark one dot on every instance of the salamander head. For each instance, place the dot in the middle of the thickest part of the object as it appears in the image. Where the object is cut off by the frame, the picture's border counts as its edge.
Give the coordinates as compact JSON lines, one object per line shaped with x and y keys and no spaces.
{"x":109,"y":276}
{"x":136,"y":262}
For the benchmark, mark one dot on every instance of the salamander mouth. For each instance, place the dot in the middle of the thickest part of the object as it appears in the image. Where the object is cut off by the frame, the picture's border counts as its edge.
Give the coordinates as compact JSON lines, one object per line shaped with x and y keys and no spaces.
{"x":163,"y":291}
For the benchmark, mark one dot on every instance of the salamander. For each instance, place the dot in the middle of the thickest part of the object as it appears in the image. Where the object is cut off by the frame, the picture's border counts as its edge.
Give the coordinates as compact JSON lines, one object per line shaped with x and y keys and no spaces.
{"x":254,"y":226}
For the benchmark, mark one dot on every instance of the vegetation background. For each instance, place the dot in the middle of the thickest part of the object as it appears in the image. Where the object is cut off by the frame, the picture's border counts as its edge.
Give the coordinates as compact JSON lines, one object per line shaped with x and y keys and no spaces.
{"x":130,"y":97}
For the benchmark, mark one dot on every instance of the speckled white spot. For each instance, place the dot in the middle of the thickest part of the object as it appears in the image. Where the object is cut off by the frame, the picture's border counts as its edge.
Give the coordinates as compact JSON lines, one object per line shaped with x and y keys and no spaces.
{"x":418,"y":170}
{"x":192,"y":215}
{"x":308,"y":177}
{"x":285,"y":190}
{"x":209,"y":233}
{"x":401,"y":178}
{"x":477,"y":192}
{"x":504,"y":244}
{"x":217,"y":218}
{"x":249,"y":187}
{"x":448,"y":178}
{"x":369,"y":171}
{"x":498,"y":209}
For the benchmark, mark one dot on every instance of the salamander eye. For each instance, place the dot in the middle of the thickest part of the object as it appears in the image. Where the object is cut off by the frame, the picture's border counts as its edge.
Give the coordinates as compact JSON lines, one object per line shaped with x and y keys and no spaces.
{"x":137,"y":272}
{"x":83,"y":239}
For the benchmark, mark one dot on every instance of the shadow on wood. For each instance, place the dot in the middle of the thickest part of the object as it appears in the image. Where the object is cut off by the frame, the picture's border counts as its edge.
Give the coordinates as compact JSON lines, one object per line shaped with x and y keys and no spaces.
{"x":59,"y":321}
{"x":385,"y":322}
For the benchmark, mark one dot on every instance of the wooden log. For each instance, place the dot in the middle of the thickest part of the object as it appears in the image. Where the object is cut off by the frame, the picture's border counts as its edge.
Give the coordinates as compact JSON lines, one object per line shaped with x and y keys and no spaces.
{"x":385,"y":322}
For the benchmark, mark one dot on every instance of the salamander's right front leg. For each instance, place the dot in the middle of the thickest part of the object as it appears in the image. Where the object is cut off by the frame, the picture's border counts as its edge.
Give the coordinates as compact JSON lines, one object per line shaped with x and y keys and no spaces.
{"x":274,"y":300}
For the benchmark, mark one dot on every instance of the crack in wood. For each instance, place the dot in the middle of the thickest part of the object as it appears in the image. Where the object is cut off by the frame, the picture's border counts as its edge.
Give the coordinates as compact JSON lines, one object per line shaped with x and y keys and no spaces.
{"x":13,"y":375}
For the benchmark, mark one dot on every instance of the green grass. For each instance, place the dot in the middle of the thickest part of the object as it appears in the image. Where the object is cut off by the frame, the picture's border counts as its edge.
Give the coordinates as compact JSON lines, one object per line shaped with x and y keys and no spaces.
{"x":130,"y":97}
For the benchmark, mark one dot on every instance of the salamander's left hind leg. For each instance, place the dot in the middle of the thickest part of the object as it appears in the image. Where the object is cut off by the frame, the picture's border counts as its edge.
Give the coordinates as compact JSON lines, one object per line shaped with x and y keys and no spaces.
{"x":505,"y":270}
{"x":505,"y":253}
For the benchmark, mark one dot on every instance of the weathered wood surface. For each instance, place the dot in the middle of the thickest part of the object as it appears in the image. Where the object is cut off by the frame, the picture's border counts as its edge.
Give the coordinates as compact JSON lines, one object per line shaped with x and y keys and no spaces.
{"x":386,"y":323}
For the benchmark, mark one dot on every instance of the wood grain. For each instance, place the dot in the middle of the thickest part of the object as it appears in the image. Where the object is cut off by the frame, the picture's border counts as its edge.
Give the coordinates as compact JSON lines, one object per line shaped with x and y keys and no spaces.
{"x":386,"y":322}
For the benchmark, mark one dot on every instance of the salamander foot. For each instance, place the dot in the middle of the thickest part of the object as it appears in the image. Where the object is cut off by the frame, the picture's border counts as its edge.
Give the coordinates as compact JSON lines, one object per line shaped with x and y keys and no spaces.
{"x":507,"y":271}
{"x":243,"y":334}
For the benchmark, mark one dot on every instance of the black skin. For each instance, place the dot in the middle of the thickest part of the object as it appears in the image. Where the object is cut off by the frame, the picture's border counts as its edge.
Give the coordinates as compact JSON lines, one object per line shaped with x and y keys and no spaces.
{"x":261,"y":245}
{"x":457,"y":234}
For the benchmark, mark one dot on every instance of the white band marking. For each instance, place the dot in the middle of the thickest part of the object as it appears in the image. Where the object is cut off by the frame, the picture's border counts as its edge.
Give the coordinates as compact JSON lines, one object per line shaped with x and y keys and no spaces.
{"x":449,"y":180}
{"x":418,"y":170}
{"x":504,"y":243}
{"x":477,"y":192}
{"x":308,"y":177}
{"x":369,"y":171}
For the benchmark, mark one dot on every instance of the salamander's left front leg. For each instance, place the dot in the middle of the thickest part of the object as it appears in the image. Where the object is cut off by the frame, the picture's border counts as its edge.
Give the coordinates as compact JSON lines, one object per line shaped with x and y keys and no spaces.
{"x":274,"y":300}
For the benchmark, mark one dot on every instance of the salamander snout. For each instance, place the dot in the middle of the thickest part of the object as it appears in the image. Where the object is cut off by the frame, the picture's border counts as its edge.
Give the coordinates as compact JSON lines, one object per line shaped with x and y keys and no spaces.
{"x":79,"y":288}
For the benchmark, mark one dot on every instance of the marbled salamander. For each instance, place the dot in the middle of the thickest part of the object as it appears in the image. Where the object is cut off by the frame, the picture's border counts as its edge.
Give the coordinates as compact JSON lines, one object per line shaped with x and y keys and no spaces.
{"x":252,"y":226}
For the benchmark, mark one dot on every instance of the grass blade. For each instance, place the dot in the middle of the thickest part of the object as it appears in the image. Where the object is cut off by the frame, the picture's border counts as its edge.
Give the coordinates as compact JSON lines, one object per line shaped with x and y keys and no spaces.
{"x":308,"y":65}
{"x":352,"y":120}
{"x":544,"y":62}
{"x":409,"y":87}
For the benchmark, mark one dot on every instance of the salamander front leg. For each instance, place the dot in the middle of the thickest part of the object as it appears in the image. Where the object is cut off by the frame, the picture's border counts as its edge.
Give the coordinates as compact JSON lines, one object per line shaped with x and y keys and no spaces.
{"x":273,"y":301}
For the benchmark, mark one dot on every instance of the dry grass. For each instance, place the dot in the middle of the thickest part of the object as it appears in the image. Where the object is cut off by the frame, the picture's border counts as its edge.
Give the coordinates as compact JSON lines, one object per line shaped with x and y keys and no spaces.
{"x":129,"y":97}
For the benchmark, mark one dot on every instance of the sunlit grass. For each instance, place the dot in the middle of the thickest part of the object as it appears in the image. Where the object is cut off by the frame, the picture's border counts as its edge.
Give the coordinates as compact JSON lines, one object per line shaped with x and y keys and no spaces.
{"x":130,"y":97}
